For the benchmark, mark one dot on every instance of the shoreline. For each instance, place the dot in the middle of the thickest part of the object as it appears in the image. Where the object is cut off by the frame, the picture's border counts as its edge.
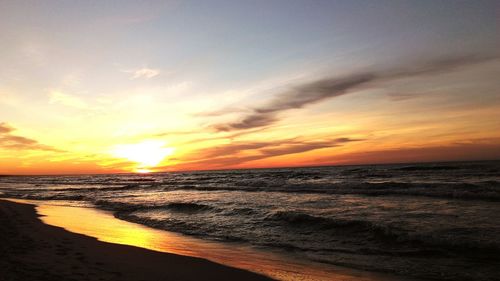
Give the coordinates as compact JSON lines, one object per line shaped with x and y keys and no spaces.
{"x":99,"y":225}
{"x":32,"y":250}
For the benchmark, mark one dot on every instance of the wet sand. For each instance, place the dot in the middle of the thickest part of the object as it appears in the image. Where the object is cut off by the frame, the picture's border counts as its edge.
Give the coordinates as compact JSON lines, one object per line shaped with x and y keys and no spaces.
{"x":32,"y":250}
{"x":55,"y":240}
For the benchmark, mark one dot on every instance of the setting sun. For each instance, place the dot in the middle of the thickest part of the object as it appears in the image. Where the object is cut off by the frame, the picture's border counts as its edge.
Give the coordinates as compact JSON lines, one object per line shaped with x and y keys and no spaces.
{"x":146,"y":154}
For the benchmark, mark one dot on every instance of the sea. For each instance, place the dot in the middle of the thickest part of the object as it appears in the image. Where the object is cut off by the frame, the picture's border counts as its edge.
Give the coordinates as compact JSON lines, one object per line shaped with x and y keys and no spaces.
{"x":437,"y":221}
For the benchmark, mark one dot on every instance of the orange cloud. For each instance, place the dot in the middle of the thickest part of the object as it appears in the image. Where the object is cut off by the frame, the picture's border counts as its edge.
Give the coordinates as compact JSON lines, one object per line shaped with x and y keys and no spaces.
{"x":10,"y":141}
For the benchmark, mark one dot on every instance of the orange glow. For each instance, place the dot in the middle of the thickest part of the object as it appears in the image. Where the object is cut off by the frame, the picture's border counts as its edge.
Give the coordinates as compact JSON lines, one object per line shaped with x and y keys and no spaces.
{"x":146,"y":154}
{"x":143,"y":171}
{"x":88,"y":102}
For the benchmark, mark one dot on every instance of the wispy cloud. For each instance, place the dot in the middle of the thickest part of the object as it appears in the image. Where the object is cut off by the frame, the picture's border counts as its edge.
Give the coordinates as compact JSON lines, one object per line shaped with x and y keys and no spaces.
{"x":313,"y":92}
{"x":10,"y":141}
{"x":5,"y":128}
{"x":144,"y":73}
{"x":471,"y":150}
{"x":237,"y":153}
{"x":58,"y":97}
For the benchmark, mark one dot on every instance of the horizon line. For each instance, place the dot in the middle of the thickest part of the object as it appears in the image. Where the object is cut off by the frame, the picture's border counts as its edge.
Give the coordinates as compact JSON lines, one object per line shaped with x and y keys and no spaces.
{"x":257,"y":168}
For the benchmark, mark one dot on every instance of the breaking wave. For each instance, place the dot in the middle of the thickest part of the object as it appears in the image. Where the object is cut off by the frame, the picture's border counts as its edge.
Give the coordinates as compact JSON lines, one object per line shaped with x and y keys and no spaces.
{"x":121,"y":207}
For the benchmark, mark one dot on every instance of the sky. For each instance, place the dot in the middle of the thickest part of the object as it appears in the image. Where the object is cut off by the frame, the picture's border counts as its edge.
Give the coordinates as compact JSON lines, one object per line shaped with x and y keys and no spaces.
{"x":145,"y":86}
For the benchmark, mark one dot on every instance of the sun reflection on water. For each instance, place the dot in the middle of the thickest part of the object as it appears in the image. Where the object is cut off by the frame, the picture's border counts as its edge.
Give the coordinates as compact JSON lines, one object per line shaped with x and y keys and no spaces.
{"x":105,"y":227}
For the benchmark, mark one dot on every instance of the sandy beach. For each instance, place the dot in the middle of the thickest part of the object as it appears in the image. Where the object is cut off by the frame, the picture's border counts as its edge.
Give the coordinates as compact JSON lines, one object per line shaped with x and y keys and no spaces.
{"x":91,"y":223}
{"x":31,"y":250}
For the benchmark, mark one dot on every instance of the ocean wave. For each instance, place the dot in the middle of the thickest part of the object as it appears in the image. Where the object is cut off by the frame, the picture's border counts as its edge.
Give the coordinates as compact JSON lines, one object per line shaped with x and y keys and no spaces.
{"x":120,"y":207}
{"x":339,"y":225}
{"x":428,"y":168}
{"x":188,"y":207}
{"x":448,"y":240}
{"x":182,"y":226}
{"x":487,"y":190}
{"x":61,"y":197}
{"x":241,"y":211}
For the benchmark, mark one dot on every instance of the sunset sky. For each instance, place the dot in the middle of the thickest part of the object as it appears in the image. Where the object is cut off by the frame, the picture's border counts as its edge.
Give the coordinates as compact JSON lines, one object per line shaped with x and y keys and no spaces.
{"x":136,"y":86}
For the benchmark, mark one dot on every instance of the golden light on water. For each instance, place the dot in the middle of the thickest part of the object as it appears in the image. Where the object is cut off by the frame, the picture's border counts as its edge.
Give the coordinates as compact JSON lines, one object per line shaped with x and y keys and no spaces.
{"x":105,"y":227}
{"x":147,"y":154}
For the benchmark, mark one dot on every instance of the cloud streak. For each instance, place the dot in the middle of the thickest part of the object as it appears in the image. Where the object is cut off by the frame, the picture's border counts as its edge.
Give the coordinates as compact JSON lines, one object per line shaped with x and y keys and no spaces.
{"x":317,"y":91}
{"x":5,"y":128}
{"x":10,"y":141}
{"x":237,"y":153}
{"x":473,"y":150}
{"x":146,"y":73}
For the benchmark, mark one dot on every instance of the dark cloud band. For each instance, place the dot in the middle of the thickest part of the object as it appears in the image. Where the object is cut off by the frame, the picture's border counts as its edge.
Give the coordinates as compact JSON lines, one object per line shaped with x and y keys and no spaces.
{"x":320,"y":90}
